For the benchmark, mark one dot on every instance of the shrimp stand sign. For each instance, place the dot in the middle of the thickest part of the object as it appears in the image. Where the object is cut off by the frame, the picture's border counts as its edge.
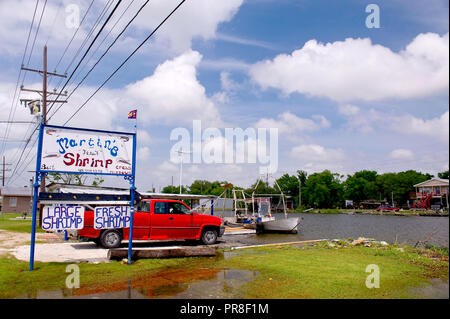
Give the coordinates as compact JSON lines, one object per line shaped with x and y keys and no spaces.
{"x":63,"y":218}
{"x":75,"y":151}
{"x":83,"y":151}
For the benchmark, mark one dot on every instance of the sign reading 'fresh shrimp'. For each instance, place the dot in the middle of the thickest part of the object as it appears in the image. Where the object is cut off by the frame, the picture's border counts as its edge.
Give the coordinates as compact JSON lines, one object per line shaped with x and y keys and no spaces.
{"x":82,"y":151}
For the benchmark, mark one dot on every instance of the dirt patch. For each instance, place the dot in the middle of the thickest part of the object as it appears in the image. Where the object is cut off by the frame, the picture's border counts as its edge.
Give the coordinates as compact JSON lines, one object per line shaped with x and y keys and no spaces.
{"x":10,"y":240}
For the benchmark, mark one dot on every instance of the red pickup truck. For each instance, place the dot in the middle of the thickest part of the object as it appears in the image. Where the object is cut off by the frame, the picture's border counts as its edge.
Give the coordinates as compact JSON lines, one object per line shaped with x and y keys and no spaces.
{"x":158,"y":219}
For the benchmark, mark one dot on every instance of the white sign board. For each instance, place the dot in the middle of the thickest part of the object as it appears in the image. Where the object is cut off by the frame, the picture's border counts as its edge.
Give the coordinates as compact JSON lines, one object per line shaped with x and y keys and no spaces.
{"x":110,"y":217}
{"x":62,"y":217}
{"x":85,"y":151}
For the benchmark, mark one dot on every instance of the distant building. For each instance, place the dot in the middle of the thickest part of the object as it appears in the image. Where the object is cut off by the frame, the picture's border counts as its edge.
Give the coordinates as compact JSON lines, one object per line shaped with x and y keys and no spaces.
{"x":16,"y":199}
{"x":430,"y":193}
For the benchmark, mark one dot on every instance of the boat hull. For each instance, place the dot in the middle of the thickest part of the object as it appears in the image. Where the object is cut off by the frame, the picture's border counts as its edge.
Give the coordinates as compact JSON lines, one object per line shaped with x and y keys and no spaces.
{"x":283,"y":225}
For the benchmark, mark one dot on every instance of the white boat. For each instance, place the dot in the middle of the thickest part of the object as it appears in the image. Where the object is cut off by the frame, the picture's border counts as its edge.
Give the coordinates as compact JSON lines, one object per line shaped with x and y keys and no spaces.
{"x":288,"y":225}
{"x":259,"y":220}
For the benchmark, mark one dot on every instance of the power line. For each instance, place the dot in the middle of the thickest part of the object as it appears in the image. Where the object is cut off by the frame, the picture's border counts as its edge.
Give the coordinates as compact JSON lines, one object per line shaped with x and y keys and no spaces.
{"x":100,"y":44}
{"x":106,"y":51}
{"x":96,"y":23}
{"x":29,"y":57}
{"x":54,"y":21}
{"x":87,"y":51}
{"x":20,"y":72}
{"x":126,"y":60}
{"x":35,"y":37}
{"x":73,"y":36}
{"x":29,"y":138}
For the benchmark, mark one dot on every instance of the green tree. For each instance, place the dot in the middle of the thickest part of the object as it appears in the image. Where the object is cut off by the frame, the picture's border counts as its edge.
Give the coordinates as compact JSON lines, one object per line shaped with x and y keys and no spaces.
{"x":73,"y":179}
{"x":323,"y":190}
{"x":399,"y":185}
{"x":174,"y":190}
{"x":443,"y":175}
{"x":263,"y":188}
{"x":290,"y":184}
{"x":361,"y":186}
{"x":203,"y":187}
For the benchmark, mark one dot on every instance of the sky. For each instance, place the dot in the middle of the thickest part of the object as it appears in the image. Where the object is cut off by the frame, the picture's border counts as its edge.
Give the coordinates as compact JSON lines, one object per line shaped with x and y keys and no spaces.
{"x":340,"y":95}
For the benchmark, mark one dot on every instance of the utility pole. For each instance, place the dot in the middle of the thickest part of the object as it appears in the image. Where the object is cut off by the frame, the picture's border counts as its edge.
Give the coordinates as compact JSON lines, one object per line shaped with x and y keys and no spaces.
{"x":299,"y":192}
{"x":44,"y":93}
{"x":4,"y":170}
{"x":181,"y":167}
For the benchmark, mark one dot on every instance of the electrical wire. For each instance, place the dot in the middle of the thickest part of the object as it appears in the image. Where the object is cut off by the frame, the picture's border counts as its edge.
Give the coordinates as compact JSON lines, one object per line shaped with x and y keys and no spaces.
{"x":87,"y":51}
{"x":18,"y":77}
{"x":104,"y":53}
{"x":125,"y":61}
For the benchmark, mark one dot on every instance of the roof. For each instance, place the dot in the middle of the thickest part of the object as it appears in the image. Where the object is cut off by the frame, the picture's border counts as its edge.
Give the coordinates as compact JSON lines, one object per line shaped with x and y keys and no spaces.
{"x":175,"y":196}
{"x":85,"y":189}
{"x":15,"y":191}
{"x":100,"y":190}
{"x":433,"y":182}
{"x":80,"y":190}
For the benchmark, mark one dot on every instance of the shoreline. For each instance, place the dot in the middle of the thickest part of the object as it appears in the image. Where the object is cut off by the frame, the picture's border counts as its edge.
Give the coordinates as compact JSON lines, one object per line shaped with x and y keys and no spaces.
{"x":429,"y":213}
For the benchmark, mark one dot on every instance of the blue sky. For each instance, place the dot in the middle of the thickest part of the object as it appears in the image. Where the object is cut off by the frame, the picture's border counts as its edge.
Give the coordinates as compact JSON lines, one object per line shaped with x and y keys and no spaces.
{"x":343,"y":96}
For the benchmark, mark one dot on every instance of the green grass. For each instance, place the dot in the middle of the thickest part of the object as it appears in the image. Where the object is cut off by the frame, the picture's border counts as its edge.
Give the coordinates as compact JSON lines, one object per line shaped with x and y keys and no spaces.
{"x":17,"y":225}
{"x":285,"y":272}
{"x":320,"y":272}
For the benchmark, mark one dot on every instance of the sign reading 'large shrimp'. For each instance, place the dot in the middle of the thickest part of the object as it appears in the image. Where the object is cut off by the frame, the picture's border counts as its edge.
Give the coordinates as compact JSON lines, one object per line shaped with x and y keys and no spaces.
{"x":83,"y":151}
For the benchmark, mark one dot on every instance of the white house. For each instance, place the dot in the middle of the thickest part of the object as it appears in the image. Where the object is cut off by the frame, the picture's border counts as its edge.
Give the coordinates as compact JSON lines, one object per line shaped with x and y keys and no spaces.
{"x":435,"y":191}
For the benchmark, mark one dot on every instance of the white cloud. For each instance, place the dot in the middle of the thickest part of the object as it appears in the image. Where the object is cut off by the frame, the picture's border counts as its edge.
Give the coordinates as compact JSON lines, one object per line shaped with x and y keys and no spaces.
{"x":290,"y":123}
{"x":437,"y":127}
{"x":356,"y":69}
{"x":194,"y":19}
{"x":173,"y":94}
{"x":316,"y":153}
{"x":401,"y":153}
{"x":348,"y":109}
{"x":371,"y":120}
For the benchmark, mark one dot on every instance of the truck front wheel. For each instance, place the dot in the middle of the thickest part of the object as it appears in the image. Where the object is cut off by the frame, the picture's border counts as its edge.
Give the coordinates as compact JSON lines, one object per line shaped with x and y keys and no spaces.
{"x":209,"y":236}
{"x":111,"y":238}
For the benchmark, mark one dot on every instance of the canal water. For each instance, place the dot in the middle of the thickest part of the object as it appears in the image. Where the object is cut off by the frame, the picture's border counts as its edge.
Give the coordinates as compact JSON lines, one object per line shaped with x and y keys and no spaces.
{"x":401,"y":229}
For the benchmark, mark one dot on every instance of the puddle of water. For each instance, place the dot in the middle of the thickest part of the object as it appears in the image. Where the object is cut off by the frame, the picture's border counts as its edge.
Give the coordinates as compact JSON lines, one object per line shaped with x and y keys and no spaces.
{"x":435,"y":289}
{"x":171,"y":283}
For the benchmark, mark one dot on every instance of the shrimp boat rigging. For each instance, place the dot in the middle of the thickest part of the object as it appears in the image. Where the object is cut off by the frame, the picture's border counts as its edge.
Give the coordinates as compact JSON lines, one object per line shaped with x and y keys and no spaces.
{"x":262,"y":219}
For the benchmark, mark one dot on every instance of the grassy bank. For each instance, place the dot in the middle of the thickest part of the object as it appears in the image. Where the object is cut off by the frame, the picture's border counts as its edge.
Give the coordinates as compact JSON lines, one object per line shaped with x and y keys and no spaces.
{"x":331,"y":272}
{"x":323,"y":271}
{"x":17,"y":225}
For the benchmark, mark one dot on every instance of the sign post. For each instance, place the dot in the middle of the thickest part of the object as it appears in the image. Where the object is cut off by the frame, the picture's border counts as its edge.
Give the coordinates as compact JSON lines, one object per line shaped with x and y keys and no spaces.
{"x":81,"y":151}
{"x":132,"y":190}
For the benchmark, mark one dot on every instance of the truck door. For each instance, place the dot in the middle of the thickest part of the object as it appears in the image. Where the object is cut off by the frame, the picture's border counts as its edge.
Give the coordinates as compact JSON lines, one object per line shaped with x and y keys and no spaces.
{"x":185,"y":224}
{"x":172,"y":220}
{"x":159,"y":221}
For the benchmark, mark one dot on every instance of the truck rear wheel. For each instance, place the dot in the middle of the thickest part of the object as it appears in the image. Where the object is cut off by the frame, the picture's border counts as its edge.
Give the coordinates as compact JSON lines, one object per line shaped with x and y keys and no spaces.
{"x":111,"y":238}
{"x":209,"y":236}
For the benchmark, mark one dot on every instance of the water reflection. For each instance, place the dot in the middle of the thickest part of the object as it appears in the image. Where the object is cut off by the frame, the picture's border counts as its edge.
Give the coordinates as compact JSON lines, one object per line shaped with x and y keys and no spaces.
{"x":170,"y":283}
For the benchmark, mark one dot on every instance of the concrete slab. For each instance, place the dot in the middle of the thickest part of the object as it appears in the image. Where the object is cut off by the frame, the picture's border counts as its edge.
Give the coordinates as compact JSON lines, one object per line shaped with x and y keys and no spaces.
{"x":63,"y":252}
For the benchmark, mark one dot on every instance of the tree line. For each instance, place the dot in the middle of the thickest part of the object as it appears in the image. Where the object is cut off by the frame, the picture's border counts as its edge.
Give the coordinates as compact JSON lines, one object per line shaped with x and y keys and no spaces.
{"x":326,"y":189}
